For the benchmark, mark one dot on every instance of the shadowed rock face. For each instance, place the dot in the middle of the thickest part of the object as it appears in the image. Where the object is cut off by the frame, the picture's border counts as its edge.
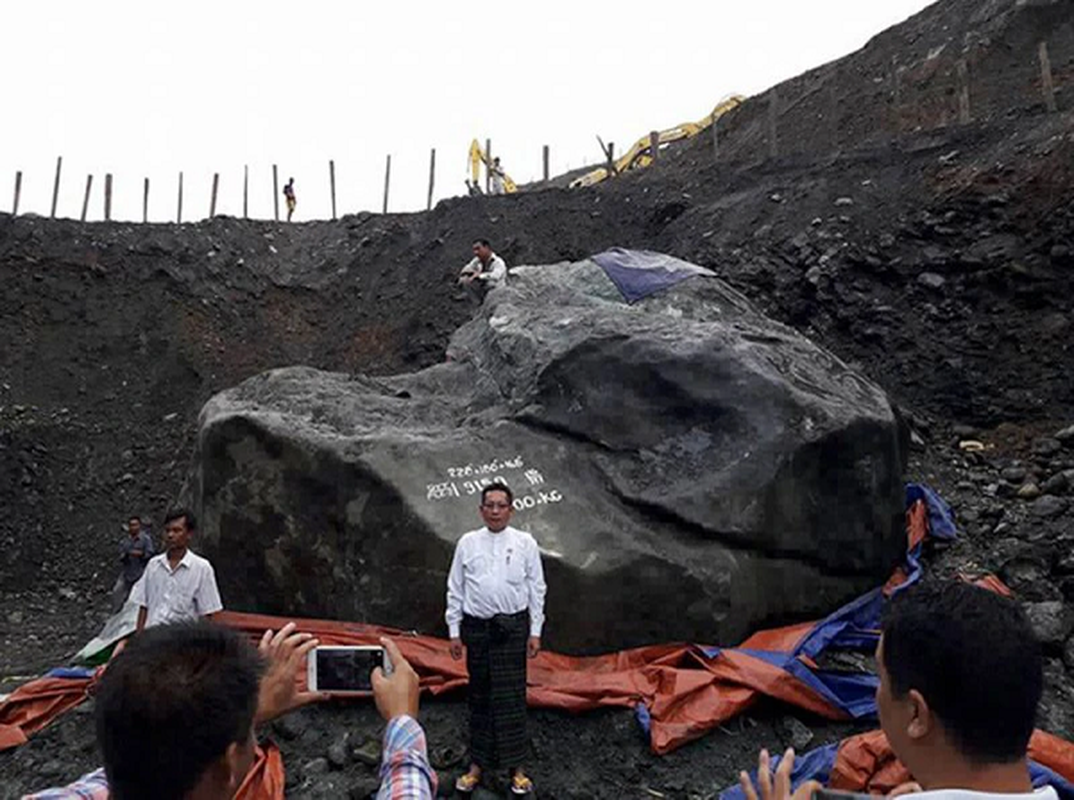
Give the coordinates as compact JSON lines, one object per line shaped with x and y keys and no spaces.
{"x":690,"y":468}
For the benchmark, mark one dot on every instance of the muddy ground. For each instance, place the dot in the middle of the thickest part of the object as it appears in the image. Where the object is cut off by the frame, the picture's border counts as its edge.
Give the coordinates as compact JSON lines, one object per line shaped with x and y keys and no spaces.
{"x":936,"y":257}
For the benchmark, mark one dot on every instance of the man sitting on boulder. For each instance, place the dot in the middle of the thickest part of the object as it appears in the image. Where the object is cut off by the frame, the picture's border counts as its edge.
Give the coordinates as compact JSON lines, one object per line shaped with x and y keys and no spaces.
{"x":485,"y":271}
{"x":960,"y":680}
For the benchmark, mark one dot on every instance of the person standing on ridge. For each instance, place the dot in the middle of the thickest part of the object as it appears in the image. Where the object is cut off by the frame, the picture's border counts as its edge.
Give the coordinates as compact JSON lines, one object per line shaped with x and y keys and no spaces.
{"x":289,"y":194}
{"x":497,"y":176}
{"x":495,"y":605}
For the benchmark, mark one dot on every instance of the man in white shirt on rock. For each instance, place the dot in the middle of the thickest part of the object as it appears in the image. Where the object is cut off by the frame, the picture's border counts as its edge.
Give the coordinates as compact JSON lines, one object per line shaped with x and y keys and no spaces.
{"x":960,"y":680}
{"x":484,"y":272}
{"x":495,"y":605}
{"x":178,"y":584}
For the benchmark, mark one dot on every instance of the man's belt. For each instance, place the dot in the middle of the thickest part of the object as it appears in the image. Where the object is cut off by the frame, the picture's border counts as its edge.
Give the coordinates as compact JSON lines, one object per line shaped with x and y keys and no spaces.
{"x":500,"y":626}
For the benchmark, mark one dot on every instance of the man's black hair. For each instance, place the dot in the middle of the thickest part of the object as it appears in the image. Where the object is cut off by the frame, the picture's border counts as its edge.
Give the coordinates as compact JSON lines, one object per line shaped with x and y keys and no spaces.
{"x":179,"y":513}
{"x":483,"y":243}
{"x":170,"y":705}
{"x":135,"y":517}
{"x":974,"y":658}
{"x":497,"y":487}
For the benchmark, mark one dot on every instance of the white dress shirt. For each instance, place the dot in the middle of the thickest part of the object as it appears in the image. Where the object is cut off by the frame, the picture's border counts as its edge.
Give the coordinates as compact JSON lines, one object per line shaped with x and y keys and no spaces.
{"x":493,"y":274}
{"x":1043,"y":793}
{"x":495,"y":573}
{"x":187,"y":592}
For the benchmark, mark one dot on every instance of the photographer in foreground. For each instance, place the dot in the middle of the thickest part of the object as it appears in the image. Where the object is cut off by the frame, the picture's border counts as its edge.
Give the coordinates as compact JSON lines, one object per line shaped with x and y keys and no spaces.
{"x":177,"y":710}
{"x":960,"y":680}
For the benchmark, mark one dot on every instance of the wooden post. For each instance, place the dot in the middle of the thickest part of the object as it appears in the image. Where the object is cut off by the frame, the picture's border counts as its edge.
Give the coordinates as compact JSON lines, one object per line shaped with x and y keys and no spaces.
{"x":332,"y":181}
{"x":963,"y":93}
{"x":276,"y":192}
{"x":1046,"y":84}
{"x":108,"y":197}
{"x":145,"y":202}
{"x":179,"y":211}
{"x":432,"y":178}
{"x":212,"y":202}
{"x":773,"y":120}
{"x":85,"y":198}
{"x":18,"y":192}
{"x":545,"y":156}
{"x":387,"y":181}
{"x":246,"y":191}
{"x":654,"y":145}
{"x":488,"y":166}
{"x":610,"y":153}
{"x":56,"y":186}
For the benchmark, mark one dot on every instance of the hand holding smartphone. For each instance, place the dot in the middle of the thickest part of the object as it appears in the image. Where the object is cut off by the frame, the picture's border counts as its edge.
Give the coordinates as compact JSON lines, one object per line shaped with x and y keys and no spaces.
{"x":346,"y":671}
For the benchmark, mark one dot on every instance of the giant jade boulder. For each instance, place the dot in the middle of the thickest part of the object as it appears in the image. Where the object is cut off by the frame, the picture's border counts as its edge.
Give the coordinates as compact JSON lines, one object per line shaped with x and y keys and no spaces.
{"x":690,"y":468}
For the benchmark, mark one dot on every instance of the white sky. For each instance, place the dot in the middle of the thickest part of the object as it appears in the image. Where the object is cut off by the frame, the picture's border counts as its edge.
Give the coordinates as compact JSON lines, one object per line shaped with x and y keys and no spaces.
{"x":150,"y":88}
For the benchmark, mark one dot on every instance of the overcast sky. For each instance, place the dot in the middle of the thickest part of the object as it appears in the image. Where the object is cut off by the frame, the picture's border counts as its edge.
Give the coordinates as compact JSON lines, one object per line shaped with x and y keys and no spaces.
{"x":146,"y":89}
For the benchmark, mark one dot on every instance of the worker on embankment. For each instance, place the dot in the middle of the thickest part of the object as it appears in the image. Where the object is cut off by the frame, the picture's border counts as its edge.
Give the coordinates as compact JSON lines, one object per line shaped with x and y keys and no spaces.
{"x":496,"y":176}
{"x":289,"y":195}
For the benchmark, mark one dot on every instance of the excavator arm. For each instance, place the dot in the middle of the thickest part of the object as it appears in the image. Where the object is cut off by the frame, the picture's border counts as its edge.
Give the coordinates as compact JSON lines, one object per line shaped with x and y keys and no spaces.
{"x":477,"y":158}
{"x":641,"y":154}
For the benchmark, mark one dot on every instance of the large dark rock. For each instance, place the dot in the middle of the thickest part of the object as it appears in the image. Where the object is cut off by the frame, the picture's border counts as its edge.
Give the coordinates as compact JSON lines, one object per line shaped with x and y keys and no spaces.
{"x":690,"y":468}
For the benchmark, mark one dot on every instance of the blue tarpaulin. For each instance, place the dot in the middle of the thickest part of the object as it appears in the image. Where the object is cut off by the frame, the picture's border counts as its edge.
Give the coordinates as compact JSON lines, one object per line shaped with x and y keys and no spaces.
{"x":640,"y":273}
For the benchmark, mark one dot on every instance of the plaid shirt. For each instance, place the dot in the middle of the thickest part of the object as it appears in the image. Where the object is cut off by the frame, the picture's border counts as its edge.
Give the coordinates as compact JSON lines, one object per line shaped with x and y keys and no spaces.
{"x":405,"y":773}
{"x":92,"y":786}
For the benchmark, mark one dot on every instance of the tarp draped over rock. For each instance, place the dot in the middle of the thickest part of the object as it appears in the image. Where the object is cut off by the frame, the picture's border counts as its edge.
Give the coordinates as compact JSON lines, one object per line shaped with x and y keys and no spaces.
{"x":690,"y":468}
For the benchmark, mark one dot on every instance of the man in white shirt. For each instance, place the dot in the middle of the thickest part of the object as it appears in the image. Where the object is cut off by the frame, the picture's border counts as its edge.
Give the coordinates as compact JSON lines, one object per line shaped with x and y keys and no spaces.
{"x":484,"y":272}
{"x":178,"y":584}
{"x":495,"y":604}
{"x":960,"y":680}
{"x":496,"y":177}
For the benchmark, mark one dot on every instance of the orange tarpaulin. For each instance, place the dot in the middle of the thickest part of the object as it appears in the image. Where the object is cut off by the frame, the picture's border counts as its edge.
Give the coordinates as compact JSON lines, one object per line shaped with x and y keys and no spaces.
{"x":686,"y":694}
{"x":34,"y":705}
{"x":265,"y":780}
{"x":866,"y":763}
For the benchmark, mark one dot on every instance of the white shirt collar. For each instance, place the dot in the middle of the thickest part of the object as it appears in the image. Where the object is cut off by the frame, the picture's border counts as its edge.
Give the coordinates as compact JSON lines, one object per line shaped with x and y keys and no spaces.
{"x":185,"y":561}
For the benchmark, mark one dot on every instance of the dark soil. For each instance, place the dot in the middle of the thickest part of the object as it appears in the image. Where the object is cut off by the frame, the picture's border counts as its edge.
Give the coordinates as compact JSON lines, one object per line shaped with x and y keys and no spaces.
{"x":937,"y":257}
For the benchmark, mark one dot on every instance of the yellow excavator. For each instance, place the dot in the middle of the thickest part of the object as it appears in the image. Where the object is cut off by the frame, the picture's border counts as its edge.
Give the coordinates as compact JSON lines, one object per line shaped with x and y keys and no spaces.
{"x":479,"y":157}
{"x":641,"y":154}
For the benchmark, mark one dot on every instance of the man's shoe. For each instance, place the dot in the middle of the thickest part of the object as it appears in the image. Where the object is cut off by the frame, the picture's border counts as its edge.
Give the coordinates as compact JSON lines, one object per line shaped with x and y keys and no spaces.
{"x":467,"y":783}
{"x":521,"y":785}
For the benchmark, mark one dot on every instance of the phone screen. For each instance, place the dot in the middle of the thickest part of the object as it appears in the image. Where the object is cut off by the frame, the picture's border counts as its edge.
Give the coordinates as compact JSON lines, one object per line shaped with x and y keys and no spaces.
{"x":347,"y":670}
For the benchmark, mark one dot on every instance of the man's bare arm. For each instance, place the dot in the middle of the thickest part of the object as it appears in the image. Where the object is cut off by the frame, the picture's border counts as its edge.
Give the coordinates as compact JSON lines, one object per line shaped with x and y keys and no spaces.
{"x":143,"y":612}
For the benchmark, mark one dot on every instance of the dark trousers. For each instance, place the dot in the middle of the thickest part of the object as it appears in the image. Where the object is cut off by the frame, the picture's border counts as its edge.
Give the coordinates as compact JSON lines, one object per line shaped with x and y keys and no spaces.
{"x":496,"y":661}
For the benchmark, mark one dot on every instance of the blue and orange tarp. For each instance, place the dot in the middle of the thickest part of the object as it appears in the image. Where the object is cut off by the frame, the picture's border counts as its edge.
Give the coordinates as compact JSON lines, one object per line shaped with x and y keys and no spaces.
{"x":866,"y":764}
{"x":679,"y":691}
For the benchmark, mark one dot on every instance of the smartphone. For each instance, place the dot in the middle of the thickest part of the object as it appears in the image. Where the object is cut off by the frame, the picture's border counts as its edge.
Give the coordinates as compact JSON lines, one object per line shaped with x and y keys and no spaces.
{"x":833,"y":794}
{"x":345,"y":670}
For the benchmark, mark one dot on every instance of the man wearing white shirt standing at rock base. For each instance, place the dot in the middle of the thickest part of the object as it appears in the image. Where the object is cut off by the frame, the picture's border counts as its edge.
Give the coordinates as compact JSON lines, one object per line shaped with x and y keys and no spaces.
{"x":495,"y":605}
{"x":178,"y":584}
